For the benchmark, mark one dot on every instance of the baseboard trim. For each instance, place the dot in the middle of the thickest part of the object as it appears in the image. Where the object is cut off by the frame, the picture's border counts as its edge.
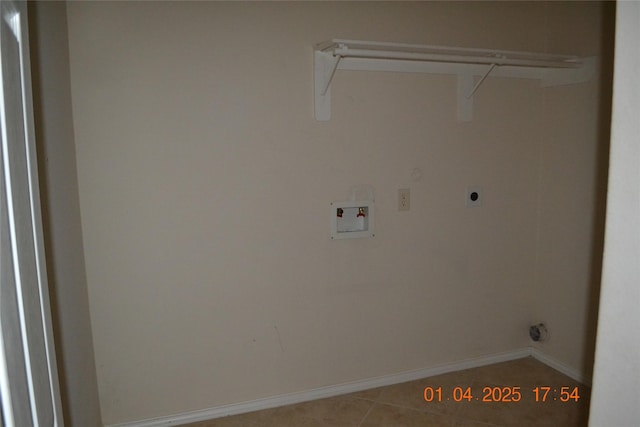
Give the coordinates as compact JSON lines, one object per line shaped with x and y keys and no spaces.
{"x":351,"y":387}
{"x":560,"y":367}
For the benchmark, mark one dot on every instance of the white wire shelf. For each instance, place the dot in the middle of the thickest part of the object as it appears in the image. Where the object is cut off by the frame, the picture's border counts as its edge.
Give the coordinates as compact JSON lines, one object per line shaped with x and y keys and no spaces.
{"x":465,"y":63}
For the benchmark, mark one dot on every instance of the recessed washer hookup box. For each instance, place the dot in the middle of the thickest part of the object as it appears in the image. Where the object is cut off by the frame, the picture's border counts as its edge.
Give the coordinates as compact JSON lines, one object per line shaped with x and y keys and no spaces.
{"x":349,"y":220}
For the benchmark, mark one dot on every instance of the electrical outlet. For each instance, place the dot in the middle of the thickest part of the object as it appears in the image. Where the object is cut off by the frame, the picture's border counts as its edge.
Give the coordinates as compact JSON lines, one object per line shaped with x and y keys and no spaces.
{"x":474,"y":197}
{"x":404,"y":199}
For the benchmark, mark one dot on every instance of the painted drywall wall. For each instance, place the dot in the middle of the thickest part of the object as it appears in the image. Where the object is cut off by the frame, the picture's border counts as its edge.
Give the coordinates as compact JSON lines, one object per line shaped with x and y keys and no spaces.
{"x":615,"y":387}
{"x":572,"y":189}
{"x":61,"y":213}
{"x":205,"y":185}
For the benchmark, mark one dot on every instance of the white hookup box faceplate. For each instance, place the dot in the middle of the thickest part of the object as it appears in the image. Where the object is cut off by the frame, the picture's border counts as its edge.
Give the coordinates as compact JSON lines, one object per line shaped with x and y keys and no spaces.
{"x":349,"y":220}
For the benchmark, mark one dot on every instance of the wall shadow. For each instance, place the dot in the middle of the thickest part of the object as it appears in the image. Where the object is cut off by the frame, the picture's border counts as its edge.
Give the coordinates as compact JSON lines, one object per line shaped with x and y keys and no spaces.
{"x":607,"y":31}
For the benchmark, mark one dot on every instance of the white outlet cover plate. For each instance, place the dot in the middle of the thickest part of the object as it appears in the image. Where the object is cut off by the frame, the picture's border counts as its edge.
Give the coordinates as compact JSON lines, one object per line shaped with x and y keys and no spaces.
{"x":406,"y":194}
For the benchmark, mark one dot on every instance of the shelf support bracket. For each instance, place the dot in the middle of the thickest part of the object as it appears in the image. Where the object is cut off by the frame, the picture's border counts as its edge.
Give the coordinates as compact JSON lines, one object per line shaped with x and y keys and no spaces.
{"x":334,"y":67}
{"x":477,"y":86}
{"x":466,"y":90}
{"x":324,"y":68}
{"x":465,"y":104}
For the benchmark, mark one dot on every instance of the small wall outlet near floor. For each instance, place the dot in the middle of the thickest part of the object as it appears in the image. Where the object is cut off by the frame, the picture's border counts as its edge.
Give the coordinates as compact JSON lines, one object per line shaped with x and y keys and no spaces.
{"x":404,"y":199}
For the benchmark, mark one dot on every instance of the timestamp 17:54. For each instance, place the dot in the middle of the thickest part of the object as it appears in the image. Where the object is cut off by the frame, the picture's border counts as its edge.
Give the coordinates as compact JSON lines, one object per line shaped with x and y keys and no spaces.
{"x":502,"y":394}
{"x":563,"y":394}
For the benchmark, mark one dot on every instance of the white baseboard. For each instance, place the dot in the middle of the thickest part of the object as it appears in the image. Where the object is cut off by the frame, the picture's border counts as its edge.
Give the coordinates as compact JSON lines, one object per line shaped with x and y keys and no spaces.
{"x":560,"y":367}
{"x":351,"y":387}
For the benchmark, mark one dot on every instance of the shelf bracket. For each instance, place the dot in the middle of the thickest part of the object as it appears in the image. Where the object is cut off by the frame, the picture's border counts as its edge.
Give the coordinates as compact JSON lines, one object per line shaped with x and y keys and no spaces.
{"x":477,"y":86}
{"x":466,"y":90}
{"x":324,"y":68}
{"x":334,"y":67}
{"x":465,"y":104}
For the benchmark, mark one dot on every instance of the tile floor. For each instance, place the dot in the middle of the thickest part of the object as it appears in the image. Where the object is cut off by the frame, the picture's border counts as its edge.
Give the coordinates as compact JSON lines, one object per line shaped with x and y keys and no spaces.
{"x":403,"y":405}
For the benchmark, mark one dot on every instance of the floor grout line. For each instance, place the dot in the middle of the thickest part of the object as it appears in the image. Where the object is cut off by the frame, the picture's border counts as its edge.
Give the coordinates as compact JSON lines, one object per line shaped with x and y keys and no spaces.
{"x":367,"y":414}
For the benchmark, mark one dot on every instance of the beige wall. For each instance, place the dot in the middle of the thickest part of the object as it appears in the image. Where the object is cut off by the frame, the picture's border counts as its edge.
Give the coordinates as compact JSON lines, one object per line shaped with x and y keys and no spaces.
{"x":572,"y":188}
{"x":61,"y":214}
{"x":205,"y":183}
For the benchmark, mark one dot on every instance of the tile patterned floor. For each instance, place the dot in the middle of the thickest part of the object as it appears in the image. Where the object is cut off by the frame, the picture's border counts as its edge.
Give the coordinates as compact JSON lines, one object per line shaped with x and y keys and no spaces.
{"x":403,"y":405}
